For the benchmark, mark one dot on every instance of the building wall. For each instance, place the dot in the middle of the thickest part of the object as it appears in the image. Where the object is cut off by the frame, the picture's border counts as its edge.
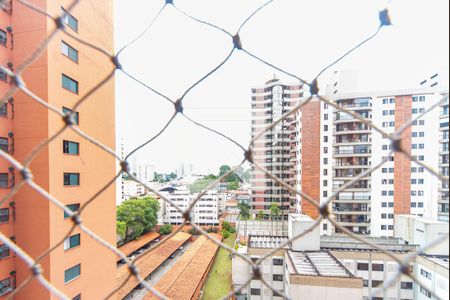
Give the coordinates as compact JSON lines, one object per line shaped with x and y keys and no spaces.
{"x":320,"y":288}
{"x":376,"y":268}
{"x":434,"y":277}
{"x":96,"y":167}
{"x":310,"y":156}
{"x":7,"y":265}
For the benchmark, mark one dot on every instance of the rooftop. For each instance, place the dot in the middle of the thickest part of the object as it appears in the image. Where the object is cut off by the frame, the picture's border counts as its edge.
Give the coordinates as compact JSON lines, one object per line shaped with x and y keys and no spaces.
{"x":185,"y":277}
{"x":256,"y":241}
{"x":437,"y":259}
{"x":318,"y":263}
{"x":132,"y":246}
{"x":147,"y":263}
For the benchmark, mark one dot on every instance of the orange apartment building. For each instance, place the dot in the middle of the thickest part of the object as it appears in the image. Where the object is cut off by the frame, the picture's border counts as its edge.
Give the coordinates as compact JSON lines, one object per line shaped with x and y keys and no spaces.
{"x":70,"y":168}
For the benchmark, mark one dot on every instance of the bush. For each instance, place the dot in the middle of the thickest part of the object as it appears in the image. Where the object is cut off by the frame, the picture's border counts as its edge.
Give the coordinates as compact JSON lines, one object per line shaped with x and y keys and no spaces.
{"x":225,"y":234}
{"x":194,"y":231}
{"x":212,"y":229}
{"x":226,"y":225}
{"x":165,"y":229}
{"x":232,"y":230}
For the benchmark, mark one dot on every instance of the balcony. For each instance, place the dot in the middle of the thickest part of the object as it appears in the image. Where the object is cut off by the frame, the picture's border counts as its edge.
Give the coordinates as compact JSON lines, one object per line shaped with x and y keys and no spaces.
{"x":354,"y":152}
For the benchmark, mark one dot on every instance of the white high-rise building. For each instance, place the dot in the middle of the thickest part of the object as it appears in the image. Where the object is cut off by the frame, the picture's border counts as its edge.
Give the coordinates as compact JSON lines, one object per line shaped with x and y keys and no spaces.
{"x":145,"y":173}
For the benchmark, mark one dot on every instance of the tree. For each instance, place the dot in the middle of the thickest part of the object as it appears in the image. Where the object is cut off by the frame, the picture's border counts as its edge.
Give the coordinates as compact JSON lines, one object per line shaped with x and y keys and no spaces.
{"x":232,"y":186}
{"x":275,"y":210}
{"x":225,"y":234}
{"x":165,"y":229}
{"x":260,"y":216}
{"x":200,"y":185}
{"x":244,"y":213}
{"x":140,"y":215}
{"x":223,"y":170}
{"x":121,"y":229}
{"x":233,"y":177}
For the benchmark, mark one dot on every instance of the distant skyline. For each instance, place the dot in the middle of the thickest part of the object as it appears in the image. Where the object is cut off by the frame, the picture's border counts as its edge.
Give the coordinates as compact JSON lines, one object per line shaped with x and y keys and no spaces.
{"x":301,"y":37}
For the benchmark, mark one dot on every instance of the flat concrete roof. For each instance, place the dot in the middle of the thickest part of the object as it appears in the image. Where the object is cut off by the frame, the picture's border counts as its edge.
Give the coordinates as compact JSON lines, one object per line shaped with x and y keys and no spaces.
{"x":437,"y":259}
{"x":317,"y":263}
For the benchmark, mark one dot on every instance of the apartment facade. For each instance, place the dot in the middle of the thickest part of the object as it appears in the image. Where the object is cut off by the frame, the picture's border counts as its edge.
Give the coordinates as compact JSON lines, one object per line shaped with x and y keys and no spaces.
{"x":334,"y":147}
{"x":69,"y":168}
{"x":274,"y":150}
{"x":204,"y":213}
{"x":443,"y":161}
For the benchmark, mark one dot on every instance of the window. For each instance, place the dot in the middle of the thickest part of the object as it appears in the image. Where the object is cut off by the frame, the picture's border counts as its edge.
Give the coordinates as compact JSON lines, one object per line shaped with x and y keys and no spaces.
{"x":69,"y":84}
{"x":365,"y":283}
{"x":77,"y":297}
{"x":391,"y":204}
{"x":69,"y":51}
{"x":4,"y":144}
{"x":325,"y":194}
{"x":383,"y":227}
{"x":277,"y":262}
{"x":384,"y":216}
{"x":72,"y":242}
{"x":4,"y":251}
{"x":425,"y":273}
{"x":363,"y":266}
{"x":277,"y":277}
{"x":425,"y":292}
{"x":72,"y":273}
{"x":4,"y":215}
{"x":3,"y":76}
{"x":67,"y":111}
{"x":255,"y":292}
{"x":71,"y":147}
{"x":73,"y":207}
{"x":325,"y":127}
{"x":3,"y":37}
{"x":69,"y":20}
{"x":3,"y":109}
{"x":406,"y":285}
{"x":71,"y":179}
{"x":5,"y":286}
{"x":377,"y":283}
{"x":3,"y":180}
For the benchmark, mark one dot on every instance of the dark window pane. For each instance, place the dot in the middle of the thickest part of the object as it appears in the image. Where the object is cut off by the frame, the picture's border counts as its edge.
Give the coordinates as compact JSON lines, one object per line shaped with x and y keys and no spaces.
{"x":70,"y":20}
{"x":71,"y":179}
{"x":4,"y":215}
{"x":72,"y":207}
{"x":4,"y":180}
{"x":69,"y":84}
{"x":3,"y":109}
{"x":72,"y":273}
{"x":76,"y":115}
{"x":4,"y":144}
{"x":71,"y":147}
{"x":4,"y":251}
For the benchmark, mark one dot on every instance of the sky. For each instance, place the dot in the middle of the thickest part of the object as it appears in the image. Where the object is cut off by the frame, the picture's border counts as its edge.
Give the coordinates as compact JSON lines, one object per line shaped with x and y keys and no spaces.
{"x":301,"y":37}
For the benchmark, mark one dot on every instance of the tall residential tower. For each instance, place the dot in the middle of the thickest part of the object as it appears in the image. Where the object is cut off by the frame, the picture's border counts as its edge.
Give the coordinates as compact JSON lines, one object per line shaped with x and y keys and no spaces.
{"x":69,"y":168}
{"x":274,"y":149}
